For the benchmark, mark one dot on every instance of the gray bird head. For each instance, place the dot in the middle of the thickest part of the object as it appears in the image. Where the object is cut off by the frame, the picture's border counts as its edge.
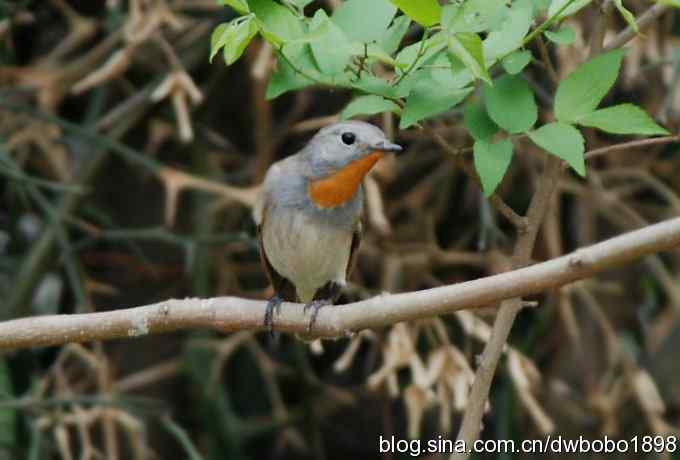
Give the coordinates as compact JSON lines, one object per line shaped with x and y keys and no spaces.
{"x":336,"y":146}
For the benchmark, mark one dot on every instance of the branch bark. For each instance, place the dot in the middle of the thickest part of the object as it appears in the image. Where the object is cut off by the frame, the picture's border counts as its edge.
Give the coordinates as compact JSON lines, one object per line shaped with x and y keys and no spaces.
{"x":231,"y":314}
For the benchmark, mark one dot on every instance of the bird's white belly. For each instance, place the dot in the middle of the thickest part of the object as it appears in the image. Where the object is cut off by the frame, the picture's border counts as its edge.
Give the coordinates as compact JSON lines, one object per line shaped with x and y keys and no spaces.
{"x":306,"y":253}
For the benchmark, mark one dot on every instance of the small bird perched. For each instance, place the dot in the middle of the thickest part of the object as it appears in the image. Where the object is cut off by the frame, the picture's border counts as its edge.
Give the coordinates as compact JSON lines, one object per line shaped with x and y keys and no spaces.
{"x":308,"y":215}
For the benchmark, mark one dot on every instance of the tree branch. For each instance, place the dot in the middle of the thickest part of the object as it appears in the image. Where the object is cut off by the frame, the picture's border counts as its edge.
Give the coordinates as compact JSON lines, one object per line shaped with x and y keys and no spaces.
{"x":642,"y":21}
{"x":231,"y":314}
{"x":632,"y":144}
{"x":479,"y":392}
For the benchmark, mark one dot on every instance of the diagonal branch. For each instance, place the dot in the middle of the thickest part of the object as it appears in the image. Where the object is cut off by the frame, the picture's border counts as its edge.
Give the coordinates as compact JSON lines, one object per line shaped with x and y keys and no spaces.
{"x":493,"y":350}
{"x":479,"y":392}
{"x":231,"y":314}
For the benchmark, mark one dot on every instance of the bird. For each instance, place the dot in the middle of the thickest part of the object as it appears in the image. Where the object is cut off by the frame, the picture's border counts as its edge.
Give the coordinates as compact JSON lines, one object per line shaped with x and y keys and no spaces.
{"x":308,"y":215}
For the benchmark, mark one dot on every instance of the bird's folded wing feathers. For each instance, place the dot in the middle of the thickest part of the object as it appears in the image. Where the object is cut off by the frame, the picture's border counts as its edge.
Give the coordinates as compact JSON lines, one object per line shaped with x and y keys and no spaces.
{"x":282,"y":286}
{"x":354,"y":249}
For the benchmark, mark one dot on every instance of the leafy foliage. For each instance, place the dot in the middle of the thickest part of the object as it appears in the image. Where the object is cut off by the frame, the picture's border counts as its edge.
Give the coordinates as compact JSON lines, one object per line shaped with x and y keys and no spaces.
{"x":478,"y":123}
{"x":491,"y":161}
{"x":516,"y":62}
{"x":237,"y":34}
{"x":564,"y":141}
{"x":583,"y":90}
{"x":511,"y":104}
{"x":424,"y":12}
{"x":622,"y":119}
{"x":368,"y":105}
{"x":563,"y":36}
{"x":459,"y":44}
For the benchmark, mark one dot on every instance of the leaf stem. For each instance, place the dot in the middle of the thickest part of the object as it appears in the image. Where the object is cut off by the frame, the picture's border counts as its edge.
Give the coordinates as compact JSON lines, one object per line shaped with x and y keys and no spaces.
{"x":282,"y":55}
{"x":547,"y":23}
{"x":421,"y":53}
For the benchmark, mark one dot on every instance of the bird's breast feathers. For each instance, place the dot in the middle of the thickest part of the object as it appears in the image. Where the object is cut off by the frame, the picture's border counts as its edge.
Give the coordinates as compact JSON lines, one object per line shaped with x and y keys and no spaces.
{"x":340,"y":187}
{"x":306,"y":251}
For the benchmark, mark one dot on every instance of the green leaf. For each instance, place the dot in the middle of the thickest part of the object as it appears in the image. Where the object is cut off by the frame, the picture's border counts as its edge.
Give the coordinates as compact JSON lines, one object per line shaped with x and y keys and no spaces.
{"x":491,"y":163}
{"x":473,"y":15}
{"x":393,"y":36}
{"x":428,"y":99}
{"x":368,"y":105}
{"x":301,"y":3}
{"x":287,"y":78}
{"x":673,"y":3}
{"x":372,"y":51}
{"x":583,"y":90}
{"x":240,"y":6}
{"x":432,"y":46}
{"x":542,"y":5}
{"x":509,"y":36}
{"x":279,"y":24}
{"x":332,"y":50}
{"x":456,"y":76}
{"x":243,"y":33}
{"x":445,"y":71}
{"x":563,"y":141}
{"x":478,"y":123}
{"x":516,"y":62}
{"x":510,"y":103}
{"x":626,"y":14}
{"x":563,"y":36}
{"x":364,"y":21}
{"x":622,"y":119}
{"x":233,"y":38}
{"x":574,"y":7}
{"x":371,"y":84}
{"x":217,"y":39}
{"x":467,"y":47}
{"x":424,"y":12}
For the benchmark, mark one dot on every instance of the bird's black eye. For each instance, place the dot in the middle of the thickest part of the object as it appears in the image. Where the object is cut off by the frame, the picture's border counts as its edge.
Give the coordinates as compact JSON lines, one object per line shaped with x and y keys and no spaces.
{"x":348,"y":138}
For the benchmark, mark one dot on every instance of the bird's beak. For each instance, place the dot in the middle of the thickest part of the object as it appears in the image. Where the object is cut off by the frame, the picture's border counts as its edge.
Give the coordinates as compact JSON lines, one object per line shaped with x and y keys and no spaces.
{"x":386,"y":146}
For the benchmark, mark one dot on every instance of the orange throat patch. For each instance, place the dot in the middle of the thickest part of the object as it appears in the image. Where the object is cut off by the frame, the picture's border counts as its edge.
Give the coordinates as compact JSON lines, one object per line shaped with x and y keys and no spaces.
{"x":338,"y":188}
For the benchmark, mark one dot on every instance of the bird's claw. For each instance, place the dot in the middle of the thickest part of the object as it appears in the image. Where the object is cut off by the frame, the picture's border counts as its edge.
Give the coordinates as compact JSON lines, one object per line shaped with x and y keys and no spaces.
{"x":315,"y":306}
{"x":273,"y":306}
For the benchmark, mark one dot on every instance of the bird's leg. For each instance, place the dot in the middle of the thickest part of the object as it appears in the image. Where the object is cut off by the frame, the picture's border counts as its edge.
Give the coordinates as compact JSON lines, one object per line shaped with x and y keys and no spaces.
{"x":327,"y":295}
{"x":315,"y":306}
{"x":274,"y":305}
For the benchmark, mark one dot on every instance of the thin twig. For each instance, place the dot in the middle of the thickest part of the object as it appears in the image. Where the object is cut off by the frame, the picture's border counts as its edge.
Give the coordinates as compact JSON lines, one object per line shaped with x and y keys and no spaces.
{"x":545,"y":58}
{"x":631,"y":145}
{"x":546,"y":24}
{"x":421,"y":52}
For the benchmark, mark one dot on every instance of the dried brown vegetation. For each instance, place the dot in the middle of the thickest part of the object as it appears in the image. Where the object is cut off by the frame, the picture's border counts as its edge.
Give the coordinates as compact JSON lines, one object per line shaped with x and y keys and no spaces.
{"x":110,"y":115}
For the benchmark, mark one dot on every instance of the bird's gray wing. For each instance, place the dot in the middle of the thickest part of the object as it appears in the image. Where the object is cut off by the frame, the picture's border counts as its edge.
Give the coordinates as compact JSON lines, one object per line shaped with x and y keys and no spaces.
{"x":282,"y":286}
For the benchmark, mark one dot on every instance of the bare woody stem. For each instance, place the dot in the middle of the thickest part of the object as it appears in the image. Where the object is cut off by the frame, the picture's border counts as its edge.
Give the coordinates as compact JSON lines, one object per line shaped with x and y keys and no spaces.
{"x":232,"y":314}
{"x":472,"y":418}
